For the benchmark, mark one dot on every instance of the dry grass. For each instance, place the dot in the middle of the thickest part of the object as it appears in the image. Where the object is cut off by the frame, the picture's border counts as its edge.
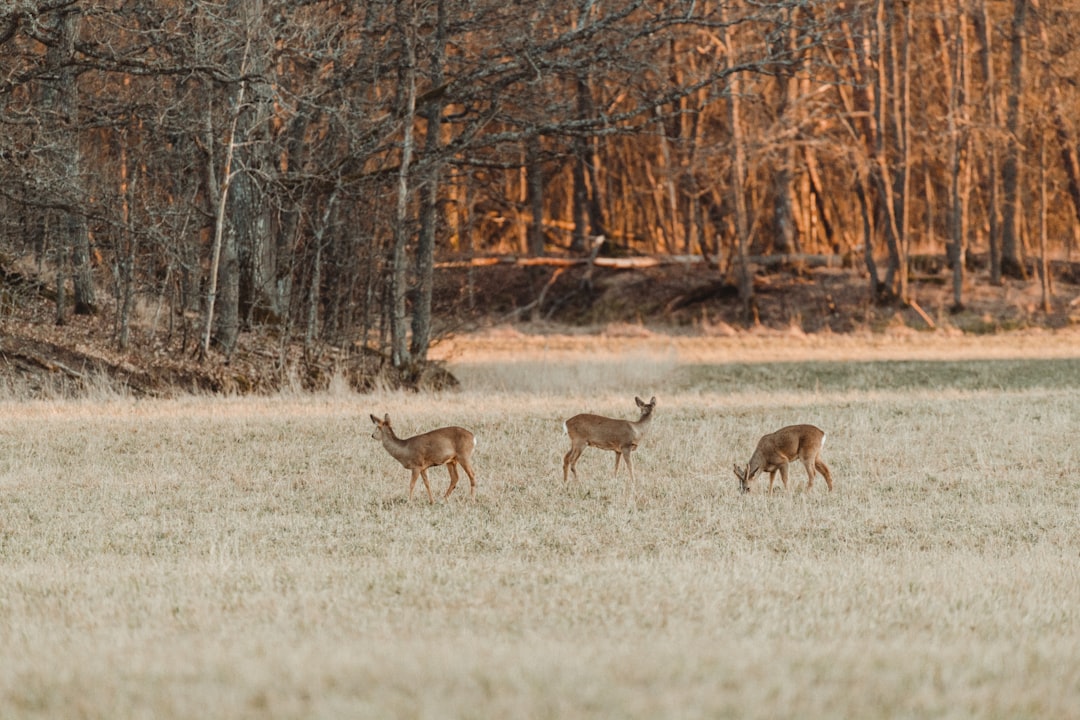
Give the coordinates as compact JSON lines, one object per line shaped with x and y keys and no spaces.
{"x":256,"y":558}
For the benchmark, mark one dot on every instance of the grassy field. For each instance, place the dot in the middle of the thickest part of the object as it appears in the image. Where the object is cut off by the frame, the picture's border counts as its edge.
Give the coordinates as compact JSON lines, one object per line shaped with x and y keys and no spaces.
{"x":256,"y":558}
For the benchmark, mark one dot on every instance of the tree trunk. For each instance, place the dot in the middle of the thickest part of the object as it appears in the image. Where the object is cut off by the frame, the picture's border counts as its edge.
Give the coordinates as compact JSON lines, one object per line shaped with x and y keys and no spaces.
{"x":1070,"y":161}
{"x":862,"y":190}
{"x":534,"y":178}
{"x":863,"y":133}
{"x":222,"y":321}
{"x":127,"y":254}
{"x":1044,"y":262}
{"x":429,"y":202}
{"x":579,"y":164}
{"x":738,"y":189}
{"x":956,"y":86}
{"x":821,"y":210}
{"x":62,"y":145}
{"x":243,"y":264}
{"x":255,"y":250}
{"x":1011,"y":262}
{"x":784,"y":236}
{"x":227,"y":320}
{"x":883,"y":96}
{"x":580,"y":198}
{"x":78,"y":233}
{"x":399,"y":345}
{"x":315,"y":275}
{"x":902,"y":172}
{"x":993,"y":202}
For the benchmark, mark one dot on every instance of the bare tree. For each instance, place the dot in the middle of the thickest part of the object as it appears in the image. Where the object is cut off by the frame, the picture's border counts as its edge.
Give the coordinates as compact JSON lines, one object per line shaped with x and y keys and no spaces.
{"x":429,"y":225}
{"x":65,"y":192}
{"x":738,"y":180}
{"x":958,"y":127}
{"x":990,"y":92}
{"x":236,"y":166}
{"x":1011,"y":263}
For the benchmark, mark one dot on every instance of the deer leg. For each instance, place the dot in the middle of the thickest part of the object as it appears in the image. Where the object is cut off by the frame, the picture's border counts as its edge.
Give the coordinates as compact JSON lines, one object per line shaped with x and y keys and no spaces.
{"x":618,"y":456}
{"x":824,"y":470}
{"x":427,"y":485}
{"x":570,"y":462}
{"x":630,"y":467}
{"x":810,"y":474}
{"x":412,"y":482}
{"x":772,"y":477}
{"x":472,"y":477}
{"x":452,"y":468}
{"x":783,"y":475}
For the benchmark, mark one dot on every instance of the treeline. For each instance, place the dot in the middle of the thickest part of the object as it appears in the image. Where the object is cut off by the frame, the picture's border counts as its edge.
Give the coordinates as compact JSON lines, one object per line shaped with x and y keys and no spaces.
{"x":224,"y":165}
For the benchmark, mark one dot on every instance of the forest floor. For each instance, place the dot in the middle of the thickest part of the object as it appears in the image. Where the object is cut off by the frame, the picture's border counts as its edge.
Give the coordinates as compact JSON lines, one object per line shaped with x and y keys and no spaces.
{"x":504,"y":303}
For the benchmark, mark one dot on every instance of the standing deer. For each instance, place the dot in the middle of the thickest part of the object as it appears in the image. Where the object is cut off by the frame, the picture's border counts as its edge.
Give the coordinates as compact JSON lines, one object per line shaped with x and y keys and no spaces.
{"x":605,"y":433}
{"x":445,"y":446}
{"x":775,"y":450}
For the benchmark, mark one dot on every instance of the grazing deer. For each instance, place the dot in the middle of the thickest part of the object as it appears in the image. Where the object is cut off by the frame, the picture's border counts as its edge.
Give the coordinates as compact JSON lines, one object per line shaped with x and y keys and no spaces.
{"x":605,"y":433}
{"x":445,"y":446}
{"x":775,"y":450}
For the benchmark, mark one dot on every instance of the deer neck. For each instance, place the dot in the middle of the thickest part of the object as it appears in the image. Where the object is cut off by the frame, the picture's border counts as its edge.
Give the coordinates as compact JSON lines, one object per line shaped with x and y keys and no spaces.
{"x":393,"y":444}
{"x":642,"y":424}
{"x":757,"y":464}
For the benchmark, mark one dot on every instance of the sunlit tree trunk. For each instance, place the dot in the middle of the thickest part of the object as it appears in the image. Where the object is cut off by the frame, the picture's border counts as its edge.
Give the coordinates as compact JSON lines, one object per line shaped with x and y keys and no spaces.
{"x":860,"y":121}
{"x":1070,"y":158}
{"x":1044,"y":262}
{"x":958,"y":149}
{"x":993,"y":180}
{"x":884,"y":98}
{"x":787,"y":88}
{"x":738,"y":188}
{"x":901,"y":108}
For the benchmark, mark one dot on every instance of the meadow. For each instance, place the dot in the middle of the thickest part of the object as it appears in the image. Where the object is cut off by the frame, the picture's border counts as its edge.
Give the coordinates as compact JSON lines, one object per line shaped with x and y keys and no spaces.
{"x":257,"y":557}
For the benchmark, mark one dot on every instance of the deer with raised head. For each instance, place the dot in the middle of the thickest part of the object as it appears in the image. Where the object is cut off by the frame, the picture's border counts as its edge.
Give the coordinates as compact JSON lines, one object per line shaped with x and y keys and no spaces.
{"x":606,"y":433}
{"x":445,"y":446}
{"x":775,"y":450}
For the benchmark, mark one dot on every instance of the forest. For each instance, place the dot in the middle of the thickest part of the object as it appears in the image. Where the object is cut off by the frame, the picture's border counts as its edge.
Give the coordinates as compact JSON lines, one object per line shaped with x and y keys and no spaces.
{"x":298,"y":168}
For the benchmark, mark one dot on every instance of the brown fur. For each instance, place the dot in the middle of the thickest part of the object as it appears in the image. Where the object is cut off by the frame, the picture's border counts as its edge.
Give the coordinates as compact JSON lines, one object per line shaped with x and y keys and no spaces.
{"x":775,"y":450}
{"x":445,"y":446}
{"x":621,"y":436}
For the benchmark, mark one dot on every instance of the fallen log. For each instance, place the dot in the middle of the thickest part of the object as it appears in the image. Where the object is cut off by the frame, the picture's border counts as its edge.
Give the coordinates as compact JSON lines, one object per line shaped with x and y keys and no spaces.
{"x":618,"y":263}
{"x":637,"y":262}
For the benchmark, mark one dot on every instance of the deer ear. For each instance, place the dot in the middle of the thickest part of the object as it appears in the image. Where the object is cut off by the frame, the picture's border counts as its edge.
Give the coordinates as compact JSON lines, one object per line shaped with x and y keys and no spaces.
{"x":639,"y":401}
{"x":386,"y":418}
{"x":653,"y":401}
{"x":374,"y":419}
{"x":738,"y":472}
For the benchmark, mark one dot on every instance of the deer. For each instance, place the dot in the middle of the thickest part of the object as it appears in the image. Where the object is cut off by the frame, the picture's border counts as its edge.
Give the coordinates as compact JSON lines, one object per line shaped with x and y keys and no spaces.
{"x":444,"y":446}
{"x":775,"y":450}
{"x":606,"y":433}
